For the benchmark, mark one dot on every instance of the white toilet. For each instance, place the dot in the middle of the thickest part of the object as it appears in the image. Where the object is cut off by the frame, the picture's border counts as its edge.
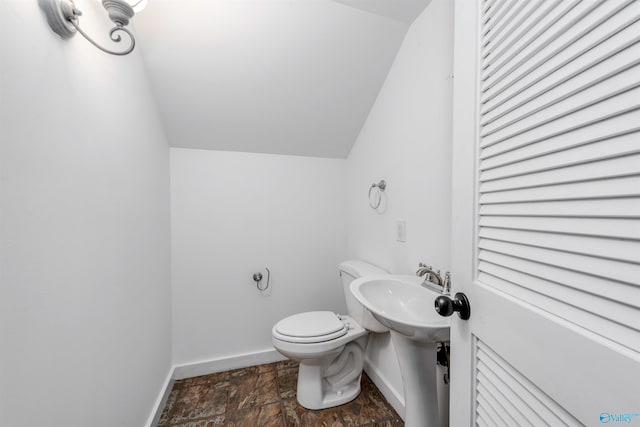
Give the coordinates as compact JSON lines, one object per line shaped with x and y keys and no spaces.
{"x":330,"y":347}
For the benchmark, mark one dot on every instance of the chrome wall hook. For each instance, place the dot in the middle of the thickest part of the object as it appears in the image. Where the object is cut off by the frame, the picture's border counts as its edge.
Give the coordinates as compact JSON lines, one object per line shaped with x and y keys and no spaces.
{"x":257,"y":277}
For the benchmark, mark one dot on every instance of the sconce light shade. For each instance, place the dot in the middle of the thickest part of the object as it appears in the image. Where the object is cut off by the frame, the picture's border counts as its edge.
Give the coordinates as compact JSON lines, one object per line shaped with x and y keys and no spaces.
{"x":120,"y":12}
{"x":64,"y":19}
{"x":138,"y":5}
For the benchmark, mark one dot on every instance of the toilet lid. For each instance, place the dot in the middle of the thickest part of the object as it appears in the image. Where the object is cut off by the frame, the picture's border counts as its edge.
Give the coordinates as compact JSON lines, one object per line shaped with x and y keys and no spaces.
{"x":314,"y":326}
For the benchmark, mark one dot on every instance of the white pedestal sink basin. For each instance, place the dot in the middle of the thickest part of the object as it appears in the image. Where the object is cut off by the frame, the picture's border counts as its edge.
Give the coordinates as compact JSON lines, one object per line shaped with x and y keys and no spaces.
{"x":406,"y":308}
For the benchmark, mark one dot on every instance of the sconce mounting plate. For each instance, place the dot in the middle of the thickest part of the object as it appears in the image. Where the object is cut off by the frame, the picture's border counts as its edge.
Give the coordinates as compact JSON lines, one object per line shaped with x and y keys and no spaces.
{"x":58,"y":13}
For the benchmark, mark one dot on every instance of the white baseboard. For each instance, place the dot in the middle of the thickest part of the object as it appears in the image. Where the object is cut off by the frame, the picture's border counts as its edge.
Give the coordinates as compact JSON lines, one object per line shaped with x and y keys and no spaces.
{"x":392,"y":395}
{"x":161,"y":401}
{"x":238,"y":361}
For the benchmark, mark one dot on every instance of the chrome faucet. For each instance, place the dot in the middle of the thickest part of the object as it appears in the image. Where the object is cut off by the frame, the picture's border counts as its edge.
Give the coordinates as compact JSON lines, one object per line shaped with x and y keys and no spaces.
{"x":429,"y":274}
{"x":433,"y":280}
{"x":446,"y":286}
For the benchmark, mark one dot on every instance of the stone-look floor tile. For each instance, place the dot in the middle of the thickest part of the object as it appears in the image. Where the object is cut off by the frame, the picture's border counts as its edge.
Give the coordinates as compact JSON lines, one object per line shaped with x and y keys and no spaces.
{"x":396,"y":422}
{"x":365,"y":380}
{"x":264,"y":396}
{"x":252,"y":371}
{"x":363,"y":411}
{"x":377,"y":399}
{"x":190,"y":382}
{"x":219,"y":379}
{"x":216,"y":421}
{"x":177,"y":384}
{"x":297,"y":416}
{"x":199,"y":401}
{"x":253,"y":390}
{"x":268,"y":367}
{"x":263,"y":416}
{"x":375,"y":396}
{"x":288,"y":382}
{"x":166,"y":412}
{"x":286,"y":364}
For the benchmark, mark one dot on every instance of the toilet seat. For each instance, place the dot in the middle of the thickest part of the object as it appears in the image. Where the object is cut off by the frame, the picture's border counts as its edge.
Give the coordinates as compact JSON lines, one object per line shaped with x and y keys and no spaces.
{"x":310,"y":327}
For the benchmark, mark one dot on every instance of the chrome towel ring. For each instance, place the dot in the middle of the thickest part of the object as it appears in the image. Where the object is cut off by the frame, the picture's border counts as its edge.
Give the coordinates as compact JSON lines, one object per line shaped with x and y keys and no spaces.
{"x":381,"y":186}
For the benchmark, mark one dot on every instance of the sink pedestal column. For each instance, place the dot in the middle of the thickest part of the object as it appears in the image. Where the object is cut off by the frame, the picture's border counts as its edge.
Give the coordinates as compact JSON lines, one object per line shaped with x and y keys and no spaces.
{"x":417,"y":362}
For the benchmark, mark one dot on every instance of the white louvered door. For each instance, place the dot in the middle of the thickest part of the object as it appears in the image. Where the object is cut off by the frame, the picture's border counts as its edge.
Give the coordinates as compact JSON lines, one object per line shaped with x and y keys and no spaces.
{"x":546,"y":213}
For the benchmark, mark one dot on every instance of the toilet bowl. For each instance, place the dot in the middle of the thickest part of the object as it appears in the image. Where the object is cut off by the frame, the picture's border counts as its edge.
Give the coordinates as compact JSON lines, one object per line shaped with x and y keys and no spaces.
{"x":329,"y":347}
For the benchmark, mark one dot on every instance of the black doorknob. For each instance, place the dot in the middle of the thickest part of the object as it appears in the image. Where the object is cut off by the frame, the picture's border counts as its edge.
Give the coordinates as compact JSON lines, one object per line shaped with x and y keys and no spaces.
{"x":445,"y":306}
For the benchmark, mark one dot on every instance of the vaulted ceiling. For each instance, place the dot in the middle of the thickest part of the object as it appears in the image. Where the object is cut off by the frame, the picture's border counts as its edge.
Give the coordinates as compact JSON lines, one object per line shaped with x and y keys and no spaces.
{"x":270,"y":76}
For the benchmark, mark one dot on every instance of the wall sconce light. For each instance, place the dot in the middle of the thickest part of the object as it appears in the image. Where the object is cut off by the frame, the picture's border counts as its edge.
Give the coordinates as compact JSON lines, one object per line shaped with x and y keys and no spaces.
{"x":64,"y":19}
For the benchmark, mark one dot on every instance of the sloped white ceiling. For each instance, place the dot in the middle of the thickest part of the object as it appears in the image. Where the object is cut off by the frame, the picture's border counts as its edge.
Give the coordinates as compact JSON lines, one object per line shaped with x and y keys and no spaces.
{"x":403,"y":10}
{"x":269,"y":76}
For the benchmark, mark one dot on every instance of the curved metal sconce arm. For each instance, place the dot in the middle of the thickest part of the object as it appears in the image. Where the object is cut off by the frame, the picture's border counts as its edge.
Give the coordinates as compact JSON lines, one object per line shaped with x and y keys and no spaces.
{"x":112,"y":35}
{"x":63,"y":17}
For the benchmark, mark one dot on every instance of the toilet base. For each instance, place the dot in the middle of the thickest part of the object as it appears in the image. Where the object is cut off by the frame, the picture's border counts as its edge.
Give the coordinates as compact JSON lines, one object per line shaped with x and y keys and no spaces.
{"x":311,"y":396}
{"x":332,"y":380}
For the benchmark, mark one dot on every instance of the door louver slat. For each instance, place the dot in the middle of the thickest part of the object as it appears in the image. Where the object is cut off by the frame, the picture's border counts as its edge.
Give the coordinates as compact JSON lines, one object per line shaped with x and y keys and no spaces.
{"x":519,"y":401}
{"x":506,"y":35}
{"x":559,"y":173}
{"x":573,"y":35}
{"x":610,"y":55}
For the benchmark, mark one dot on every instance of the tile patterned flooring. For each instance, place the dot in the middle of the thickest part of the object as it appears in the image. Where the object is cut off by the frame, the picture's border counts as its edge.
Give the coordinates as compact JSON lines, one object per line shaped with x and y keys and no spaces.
{"x":265,"y":396}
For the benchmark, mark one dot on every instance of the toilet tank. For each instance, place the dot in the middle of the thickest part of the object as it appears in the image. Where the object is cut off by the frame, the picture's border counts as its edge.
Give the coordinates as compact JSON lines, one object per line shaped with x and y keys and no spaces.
{"x":349,"y":271}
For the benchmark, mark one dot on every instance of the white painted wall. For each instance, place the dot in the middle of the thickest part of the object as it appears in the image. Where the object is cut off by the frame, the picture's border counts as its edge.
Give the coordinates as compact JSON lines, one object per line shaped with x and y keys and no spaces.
{"x":84,"y":230}
{"x":234,"y":214}
{"x":406,"y":140}
{"x":84,"y":246}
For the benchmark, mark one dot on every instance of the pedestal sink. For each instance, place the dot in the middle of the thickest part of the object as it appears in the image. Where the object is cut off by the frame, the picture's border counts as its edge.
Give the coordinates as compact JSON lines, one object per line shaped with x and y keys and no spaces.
{"x":406,"y":308}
